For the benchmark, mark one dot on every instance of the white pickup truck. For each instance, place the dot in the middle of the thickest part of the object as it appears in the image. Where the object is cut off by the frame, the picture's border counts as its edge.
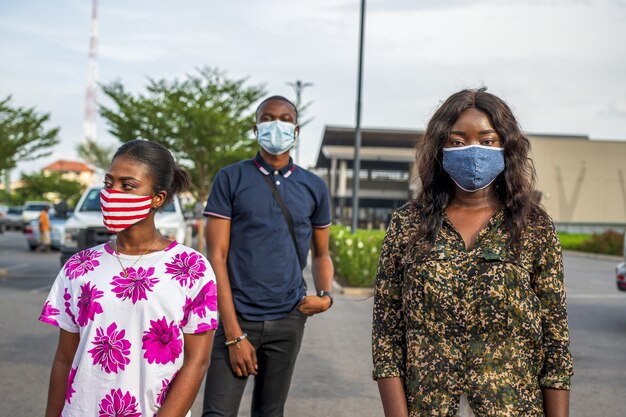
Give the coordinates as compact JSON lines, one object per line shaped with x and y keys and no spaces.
{"x":85,"y":229}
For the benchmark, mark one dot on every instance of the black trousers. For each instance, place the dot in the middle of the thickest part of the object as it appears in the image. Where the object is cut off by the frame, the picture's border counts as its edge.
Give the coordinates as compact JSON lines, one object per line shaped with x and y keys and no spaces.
{"x":277,"y":343}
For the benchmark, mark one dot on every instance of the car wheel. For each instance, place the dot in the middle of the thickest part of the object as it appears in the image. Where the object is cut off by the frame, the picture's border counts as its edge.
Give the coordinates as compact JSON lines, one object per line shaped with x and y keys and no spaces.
{"x":621,"y":286}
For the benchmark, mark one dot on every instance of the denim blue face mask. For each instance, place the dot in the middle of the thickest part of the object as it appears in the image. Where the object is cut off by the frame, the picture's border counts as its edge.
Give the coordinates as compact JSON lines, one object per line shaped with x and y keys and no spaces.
{"x":473,"y":167}
{"x":276,"y":137}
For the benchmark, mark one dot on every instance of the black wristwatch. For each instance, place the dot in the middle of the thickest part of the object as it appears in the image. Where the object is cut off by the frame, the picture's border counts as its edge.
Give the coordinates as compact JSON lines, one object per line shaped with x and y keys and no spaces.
{"x":326,"y":294}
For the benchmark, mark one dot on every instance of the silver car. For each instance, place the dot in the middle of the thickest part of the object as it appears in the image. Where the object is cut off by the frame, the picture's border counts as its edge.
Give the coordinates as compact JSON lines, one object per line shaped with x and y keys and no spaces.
{"x":57,"y":233}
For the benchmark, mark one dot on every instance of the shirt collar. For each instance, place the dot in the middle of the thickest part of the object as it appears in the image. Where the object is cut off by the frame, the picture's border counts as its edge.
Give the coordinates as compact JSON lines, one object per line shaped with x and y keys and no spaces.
{"x":266,"y":168}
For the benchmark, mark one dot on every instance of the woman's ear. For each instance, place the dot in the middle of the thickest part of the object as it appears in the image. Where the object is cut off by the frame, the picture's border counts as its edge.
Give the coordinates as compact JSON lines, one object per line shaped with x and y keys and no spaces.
{"x":158,"y":200}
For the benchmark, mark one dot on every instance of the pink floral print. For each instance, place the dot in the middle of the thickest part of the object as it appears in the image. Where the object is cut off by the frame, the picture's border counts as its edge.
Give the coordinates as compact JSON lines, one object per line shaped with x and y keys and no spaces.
{"x":206,"y":299}
{"x":81,"y":263}
{"x":186,"y":311}
{"x":162,"y":342}
{"x":88,"y":307}
{"x":186,"y":268}
{"x":68,"y":310}
{"x":111,"y":350}
{"x":48,"y":312}
{"x":70,"y":385}
{"x":134,"y":284}
{"x":118,"y":404}
{"x":205,"y":327}
{"x":165,"y":388}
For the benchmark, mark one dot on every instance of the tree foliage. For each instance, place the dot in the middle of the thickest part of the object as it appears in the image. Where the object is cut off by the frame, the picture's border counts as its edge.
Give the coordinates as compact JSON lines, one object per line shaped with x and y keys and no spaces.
{"x":23,"y":136}
{"x":205,"y":119}
{"x":40,"y":186}
{"x":97,"y":155}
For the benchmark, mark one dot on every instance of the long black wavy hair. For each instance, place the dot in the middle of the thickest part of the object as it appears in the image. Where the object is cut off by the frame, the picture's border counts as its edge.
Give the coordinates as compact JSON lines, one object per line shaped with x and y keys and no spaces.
{"x":514,"y":186}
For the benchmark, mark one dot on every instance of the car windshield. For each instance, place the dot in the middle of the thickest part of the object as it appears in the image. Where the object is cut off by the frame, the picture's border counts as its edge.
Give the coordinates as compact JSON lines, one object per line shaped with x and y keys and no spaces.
{"x":15,"y":210}
{"x":92,"y":202}
{"x":35,"y":207}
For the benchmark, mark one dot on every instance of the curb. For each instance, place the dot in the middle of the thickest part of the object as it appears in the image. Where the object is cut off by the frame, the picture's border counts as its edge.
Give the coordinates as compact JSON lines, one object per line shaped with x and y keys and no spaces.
{"x":352,"y":291}
{"x":593,"y":255}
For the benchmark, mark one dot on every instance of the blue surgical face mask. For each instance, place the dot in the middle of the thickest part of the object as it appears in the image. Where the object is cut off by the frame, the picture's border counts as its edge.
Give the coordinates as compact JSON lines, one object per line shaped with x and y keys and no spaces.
{"x":473,"y":167}
{"x":276,"y":137}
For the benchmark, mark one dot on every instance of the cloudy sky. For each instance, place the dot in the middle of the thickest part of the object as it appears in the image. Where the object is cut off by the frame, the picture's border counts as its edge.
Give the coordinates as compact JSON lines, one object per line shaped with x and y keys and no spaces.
{"x":560,"y":64}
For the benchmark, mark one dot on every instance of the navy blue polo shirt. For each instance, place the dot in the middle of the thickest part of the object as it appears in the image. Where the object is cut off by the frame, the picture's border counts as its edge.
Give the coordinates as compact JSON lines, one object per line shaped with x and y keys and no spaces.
{"x":265,"y":275}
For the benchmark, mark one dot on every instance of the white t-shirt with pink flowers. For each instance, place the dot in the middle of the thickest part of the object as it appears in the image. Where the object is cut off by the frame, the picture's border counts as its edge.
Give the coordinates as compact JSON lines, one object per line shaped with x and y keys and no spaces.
{"x":131,"y":327}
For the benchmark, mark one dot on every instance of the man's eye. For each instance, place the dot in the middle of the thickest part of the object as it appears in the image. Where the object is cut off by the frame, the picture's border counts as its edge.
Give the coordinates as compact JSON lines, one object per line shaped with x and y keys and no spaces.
{"x":488,"y":142}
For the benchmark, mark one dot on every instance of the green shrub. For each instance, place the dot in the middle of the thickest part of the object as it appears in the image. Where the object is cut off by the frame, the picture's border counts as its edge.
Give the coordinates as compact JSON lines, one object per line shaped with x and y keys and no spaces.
{"x":355,"y":257}
{"x":609,"y":243}
{"x":572,"y":241}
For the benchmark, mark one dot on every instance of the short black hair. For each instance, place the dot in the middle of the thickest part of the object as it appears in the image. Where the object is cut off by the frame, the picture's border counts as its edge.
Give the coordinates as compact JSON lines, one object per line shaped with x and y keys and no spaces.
{"x":277,"y":98}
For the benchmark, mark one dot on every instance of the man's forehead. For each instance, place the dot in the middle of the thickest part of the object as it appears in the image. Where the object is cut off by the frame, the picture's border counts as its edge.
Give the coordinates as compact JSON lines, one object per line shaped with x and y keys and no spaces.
{"x":277,"y":106}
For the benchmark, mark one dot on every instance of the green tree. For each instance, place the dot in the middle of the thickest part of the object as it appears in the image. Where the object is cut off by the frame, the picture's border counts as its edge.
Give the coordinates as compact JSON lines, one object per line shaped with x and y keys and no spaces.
{"x":23,"y":136}
{"x":41,"y":187}
{"x":204,"y":119}
{"x":99,"y":156}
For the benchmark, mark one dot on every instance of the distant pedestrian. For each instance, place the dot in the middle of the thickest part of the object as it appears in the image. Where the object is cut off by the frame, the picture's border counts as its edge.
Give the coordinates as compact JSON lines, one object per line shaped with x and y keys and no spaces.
{"x":44,"y":230}
{"x":136,"y":314}
{"x":263,"y":216}
{"x":469,"y":310}
{"x":60,"y":209}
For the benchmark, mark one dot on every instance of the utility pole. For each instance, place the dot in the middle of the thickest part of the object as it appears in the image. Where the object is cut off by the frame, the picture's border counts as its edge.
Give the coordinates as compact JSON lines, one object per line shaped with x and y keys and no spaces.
{"x":356,"y":165}
{"x":89,"y":124}
{"x":298,"y":86}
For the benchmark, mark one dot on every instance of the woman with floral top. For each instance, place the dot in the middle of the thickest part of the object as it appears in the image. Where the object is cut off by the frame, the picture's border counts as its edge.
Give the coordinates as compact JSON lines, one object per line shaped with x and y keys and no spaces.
{"x":469,"y":312}
{"x":137,"y":314}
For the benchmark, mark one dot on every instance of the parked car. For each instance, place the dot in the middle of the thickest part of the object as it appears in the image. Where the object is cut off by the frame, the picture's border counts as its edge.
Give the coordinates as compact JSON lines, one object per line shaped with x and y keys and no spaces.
{"x":57,"y":233}
{"x":14,"y":218}
{"x":84,"y":228}
{"x":3,"y":217}
{"x":620,"y":271}
{"x":32,"y":210}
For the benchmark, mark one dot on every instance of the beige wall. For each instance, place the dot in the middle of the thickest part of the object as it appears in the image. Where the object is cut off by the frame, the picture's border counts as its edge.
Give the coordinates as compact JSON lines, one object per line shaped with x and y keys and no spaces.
{"x":582,"y":180}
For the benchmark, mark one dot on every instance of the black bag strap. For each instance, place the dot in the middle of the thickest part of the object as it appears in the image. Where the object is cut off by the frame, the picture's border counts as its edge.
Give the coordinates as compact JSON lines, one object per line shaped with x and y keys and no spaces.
{"x":287,"y":216}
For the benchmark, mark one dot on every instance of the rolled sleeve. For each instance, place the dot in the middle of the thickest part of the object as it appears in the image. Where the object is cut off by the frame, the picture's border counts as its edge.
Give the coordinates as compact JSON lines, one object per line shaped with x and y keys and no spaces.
{"x":549,"y":286}
{"x":388,"y":329}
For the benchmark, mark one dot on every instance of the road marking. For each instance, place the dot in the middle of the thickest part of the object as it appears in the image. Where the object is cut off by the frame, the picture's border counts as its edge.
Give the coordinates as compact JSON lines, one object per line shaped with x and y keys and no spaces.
{"x":595,"y":296}
{"x":15,"y":267}
{"x":45,"y":288}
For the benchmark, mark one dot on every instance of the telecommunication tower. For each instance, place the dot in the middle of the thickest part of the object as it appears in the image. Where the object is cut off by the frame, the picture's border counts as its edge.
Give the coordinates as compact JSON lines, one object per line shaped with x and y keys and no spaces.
{"x":89,"y":124}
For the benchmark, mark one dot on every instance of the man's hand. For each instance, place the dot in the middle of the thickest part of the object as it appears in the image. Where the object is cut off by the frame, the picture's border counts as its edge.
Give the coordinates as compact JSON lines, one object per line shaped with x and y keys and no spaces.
{"x":312,"y":304}
{"x":243,"y":359}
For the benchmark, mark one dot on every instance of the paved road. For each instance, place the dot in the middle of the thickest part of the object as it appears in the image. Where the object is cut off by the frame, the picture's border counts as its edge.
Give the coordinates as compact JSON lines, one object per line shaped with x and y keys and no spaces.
{"x":332,"y":374}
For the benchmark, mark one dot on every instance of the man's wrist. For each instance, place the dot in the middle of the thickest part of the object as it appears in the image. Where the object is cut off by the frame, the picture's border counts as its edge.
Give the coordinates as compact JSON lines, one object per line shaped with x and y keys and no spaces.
{"x":326,"y":294}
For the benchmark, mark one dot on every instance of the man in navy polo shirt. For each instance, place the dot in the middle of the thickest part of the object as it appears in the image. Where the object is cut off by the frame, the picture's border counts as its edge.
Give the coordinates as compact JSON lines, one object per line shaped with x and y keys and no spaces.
{"x":262,"y":297}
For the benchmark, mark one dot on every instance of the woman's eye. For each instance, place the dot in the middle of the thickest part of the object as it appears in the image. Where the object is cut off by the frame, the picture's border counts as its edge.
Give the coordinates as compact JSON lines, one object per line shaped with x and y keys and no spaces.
{"x":488,"y":142}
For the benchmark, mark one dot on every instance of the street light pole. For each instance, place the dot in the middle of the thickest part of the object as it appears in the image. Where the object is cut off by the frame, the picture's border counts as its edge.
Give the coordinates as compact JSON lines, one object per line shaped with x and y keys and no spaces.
{"x":356,"y":165}
{"x":298,"y":86}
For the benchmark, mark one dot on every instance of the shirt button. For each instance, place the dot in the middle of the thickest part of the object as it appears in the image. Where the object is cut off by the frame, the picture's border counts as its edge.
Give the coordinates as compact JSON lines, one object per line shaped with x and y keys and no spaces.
{"x":277,"y":182}
{"x":275,"y":172}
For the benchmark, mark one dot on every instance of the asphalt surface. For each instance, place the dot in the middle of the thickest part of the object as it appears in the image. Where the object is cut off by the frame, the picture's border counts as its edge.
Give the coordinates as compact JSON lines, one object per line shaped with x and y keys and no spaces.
{"x":332,"y":376}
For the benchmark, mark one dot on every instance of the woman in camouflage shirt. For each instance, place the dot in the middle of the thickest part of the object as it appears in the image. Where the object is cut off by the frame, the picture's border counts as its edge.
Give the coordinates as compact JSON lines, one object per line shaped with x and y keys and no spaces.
{"x":470,"y":302}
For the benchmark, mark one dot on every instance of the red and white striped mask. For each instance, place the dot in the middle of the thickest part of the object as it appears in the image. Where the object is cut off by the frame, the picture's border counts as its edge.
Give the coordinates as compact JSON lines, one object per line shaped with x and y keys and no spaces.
{"x":121,"y":210}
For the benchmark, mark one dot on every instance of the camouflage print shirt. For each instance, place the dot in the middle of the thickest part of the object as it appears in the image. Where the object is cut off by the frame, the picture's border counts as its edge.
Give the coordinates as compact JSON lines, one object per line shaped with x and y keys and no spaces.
{"x":484,"y":322}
